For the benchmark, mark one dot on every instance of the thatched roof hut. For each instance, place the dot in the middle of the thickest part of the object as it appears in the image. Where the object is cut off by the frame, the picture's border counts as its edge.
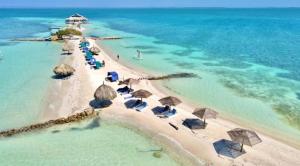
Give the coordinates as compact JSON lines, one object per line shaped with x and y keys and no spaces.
{"x":68,"y":47}
{"x":170,"y":101}
{"x":63,"y":70}
{"x":105,"y":92}
{"x":205,"y":113}
{"x":76,"y":19}
{"x":130,"y":82}
{"x":83,"y":40}
{"x":141,"y":94}
{"x":95,"y":50}
{"x":244,"y":136}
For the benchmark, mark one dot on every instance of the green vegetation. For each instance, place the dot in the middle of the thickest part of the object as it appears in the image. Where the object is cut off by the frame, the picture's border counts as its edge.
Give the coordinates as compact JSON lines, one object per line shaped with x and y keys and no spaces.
{"x":68,"y":31}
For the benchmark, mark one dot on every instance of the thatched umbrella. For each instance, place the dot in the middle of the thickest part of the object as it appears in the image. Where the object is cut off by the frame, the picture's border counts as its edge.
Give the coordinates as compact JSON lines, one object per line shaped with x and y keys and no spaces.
{"x":205,"y":113}
{"x":244,"y":136}
{"x":95,"y":50}
{"x":170,"y":101}
{"x":69,"y":47}
{"x":83,"y":40}
{"x":130,"y":82}
{"x":105,"y":92}
{"x":141,"y":94}
{"x":63,"y":70}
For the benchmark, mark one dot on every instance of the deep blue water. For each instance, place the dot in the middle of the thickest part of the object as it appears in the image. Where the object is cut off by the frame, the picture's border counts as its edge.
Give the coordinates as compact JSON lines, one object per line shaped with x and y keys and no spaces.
{"x":269,"y":37}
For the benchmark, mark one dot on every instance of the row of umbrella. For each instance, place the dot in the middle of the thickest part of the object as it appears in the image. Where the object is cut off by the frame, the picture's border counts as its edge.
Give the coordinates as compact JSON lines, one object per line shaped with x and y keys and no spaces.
{"x":242,"y":136}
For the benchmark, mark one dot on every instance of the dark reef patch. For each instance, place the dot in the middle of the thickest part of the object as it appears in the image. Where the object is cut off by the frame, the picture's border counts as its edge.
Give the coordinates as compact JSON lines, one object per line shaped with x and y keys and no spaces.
{"x":298,"y":95}
{"x":141,"y":47}
{"x":151,"y":52}
{"x":185,"y":65}
{"x":290,"y":113}
{"x":181,"y":53}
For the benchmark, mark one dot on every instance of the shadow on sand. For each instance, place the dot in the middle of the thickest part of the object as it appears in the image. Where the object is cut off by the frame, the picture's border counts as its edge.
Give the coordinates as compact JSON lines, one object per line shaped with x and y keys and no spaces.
{"x":100,"y":104}
{"x":228,"y":148}
{"x":130,"y":103}
{"x":57,"y":77}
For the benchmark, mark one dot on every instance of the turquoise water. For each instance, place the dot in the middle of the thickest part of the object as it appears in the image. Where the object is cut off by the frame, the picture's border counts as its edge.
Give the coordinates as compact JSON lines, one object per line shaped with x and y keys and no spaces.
{"x":26,"y":74}
{"x":247,"y":58}
{"x":87,"y":143}
{"x":25,"y":70}
{"x":247,"y":61}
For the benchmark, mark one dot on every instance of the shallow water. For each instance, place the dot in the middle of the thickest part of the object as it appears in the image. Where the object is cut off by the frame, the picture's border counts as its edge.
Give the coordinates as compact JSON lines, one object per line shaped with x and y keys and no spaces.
{"x":26,"y":74}
{"x":87,"y":143}
{"x":25,"y":69}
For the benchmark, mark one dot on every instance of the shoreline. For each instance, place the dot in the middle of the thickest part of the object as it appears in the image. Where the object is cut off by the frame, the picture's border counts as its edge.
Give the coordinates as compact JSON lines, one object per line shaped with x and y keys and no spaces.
{"x":288,"y":139}
{"x":199,"y":144}
{"x":207,"y":133}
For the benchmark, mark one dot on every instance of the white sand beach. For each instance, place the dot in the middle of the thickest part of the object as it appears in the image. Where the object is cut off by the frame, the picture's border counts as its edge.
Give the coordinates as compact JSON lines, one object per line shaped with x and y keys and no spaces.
{"x":74,"y":94}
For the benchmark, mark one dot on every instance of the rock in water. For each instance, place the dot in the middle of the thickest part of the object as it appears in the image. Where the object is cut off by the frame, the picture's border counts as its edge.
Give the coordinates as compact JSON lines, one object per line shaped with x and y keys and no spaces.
{"x":156,"y":154}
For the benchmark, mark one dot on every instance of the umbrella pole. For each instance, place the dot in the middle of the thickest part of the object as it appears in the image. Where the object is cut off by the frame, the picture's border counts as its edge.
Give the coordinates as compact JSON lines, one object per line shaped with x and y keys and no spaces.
{"x":242,"y":146}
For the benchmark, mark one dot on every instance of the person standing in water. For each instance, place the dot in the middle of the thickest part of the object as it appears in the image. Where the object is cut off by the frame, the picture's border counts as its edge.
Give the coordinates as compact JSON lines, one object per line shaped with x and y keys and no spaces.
{"x":118,"y":56}
{"x":138,"y":54}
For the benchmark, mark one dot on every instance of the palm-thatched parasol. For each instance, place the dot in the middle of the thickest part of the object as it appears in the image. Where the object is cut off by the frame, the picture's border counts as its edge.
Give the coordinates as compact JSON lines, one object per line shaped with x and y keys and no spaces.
{"x":83,"y":40}
{"x":141,"y":94}
{"x":130,"y":82}
{"x":105,"y":92}
{"x":95,"y":50}
{"x":63,"y":70}
{"x":205,"y":113}
{"x":69,"y":47}
{"x":244,"y":136}
{"x":170,"y":101}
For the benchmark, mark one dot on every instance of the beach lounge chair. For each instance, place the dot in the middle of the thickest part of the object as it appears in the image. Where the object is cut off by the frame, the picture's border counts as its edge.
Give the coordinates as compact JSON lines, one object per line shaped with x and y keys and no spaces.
{"x":92,"y":61}
{"x":127,"y":96}
{"x":88,"y":53}
{"x":141,"y":106}
{"x":112,"y":76}
{"x":84,"y":44}
{"x":85,"y":49}
{"x":169,"y":113}
{"x":81,"y":45}
{"x":124,"y":90}
{"x":88,"y":58}
{"x":97,"y":65}
{"x":162,"y":110}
